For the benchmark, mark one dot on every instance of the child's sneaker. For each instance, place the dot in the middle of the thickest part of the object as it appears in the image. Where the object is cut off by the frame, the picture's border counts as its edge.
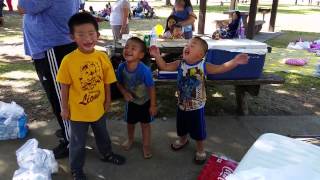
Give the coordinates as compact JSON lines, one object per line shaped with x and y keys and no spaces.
{"x":79,"y":176}
{"x":114,"y":159}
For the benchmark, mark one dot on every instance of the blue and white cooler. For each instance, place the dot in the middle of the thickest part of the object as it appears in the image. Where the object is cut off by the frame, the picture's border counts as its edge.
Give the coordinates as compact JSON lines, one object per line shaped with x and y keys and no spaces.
{"x":221,"y":51}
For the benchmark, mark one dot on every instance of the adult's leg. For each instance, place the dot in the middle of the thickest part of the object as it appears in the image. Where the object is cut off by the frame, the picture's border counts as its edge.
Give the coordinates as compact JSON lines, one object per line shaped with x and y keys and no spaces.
{"x":116,"y":32}
{"x":1,"y":13}
{"x":77,"y":145}
{"x":54,"y":57}
{"x":9,"y":4}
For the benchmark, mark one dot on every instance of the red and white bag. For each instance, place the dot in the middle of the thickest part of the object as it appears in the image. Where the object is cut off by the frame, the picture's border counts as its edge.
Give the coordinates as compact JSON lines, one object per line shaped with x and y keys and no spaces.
{"x":217,"y":168}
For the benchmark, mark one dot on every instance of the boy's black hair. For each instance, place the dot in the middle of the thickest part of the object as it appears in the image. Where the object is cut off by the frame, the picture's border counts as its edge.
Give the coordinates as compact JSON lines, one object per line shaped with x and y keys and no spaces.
{"x":140,"y":42}
{"x":204,"y":44}
{"x":82,"y":18}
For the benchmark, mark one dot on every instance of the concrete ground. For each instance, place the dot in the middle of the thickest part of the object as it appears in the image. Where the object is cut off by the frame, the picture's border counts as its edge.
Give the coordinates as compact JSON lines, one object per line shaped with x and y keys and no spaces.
{"x":231,"y":136}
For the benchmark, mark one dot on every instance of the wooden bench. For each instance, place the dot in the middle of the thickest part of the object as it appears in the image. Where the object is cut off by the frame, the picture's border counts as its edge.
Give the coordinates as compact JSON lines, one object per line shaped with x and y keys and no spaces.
{"x":242,"y":87}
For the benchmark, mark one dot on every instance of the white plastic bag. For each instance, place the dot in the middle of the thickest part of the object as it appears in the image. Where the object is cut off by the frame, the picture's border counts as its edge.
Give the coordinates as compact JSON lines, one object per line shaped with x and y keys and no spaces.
{"x":13,"y":121}
{"x":35,"y":163}
{"x":35,"y":174}
{"x":10,"y":111}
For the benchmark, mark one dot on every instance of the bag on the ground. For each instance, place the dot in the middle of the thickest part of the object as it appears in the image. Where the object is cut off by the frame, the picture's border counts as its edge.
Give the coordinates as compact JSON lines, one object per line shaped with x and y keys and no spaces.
{"x":217,"y":168}
{"x":34,"y":163}
{"x":13,"y":121}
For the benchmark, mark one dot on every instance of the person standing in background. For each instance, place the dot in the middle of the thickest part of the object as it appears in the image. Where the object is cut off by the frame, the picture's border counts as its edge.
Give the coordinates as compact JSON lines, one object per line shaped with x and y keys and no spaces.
{"x":119,"y":19}
{"x":47,"y":40}
{"x":1,"y":13}
{"x":183,"y":11}
{"x":9,"y":4}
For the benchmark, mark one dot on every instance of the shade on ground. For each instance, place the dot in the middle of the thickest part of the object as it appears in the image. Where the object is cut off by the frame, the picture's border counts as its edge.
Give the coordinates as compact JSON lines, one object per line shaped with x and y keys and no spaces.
{"x":231,"y":136}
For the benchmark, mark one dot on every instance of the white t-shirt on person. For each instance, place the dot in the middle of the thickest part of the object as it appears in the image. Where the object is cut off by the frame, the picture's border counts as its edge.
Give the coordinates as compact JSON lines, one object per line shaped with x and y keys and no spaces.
{"x":117,"y":12}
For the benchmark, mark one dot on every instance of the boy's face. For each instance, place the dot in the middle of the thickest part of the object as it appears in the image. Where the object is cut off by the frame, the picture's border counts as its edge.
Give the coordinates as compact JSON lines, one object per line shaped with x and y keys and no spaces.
{"x":177,"y":32}
{"x":86,"y":37}
{"x":193,"y":51}
{"x":132,"y":52}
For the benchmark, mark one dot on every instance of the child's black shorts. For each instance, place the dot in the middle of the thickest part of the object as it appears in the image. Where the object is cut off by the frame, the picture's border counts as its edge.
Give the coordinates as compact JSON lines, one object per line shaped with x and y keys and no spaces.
{"x":138,"y":113}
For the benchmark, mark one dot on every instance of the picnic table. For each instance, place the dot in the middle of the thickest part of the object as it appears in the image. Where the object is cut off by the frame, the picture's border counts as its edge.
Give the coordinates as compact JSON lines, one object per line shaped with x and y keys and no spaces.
{"x":250,"y":86}
{"x":242,"y":86}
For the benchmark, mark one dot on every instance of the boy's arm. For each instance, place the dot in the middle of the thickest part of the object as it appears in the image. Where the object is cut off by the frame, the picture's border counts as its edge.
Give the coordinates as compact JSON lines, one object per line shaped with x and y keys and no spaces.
{"x":65,"y":112}
{"x":107,"y":92}
{"x":217,"y":69}
{"x":155,"y":52}
{"x":153,"y":101}
{"x":127,"y":95}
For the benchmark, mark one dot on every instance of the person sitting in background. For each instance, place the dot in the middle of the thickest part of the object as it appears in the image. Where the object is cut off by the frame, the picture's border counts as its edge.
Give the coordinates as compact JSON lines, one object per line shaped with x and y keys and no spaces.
{"x":137,"y":10}
{"x":177,"y":32}
{"x":230,"y":31}
{"x":171,"y":20}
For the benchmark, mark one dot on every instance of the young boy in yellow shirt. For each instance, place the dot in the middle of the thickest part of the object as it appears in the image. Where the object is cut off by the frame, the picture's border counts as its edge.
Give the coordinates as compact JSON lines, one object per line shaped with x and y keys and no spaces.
{"x":85,"y":76}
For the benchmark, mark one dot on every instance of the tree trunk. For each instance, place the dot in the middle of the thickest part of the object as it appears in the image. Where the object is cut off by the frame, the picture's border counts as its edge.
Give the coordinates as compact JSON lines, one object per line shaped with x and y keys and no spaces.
{"x":168,"y":3}
{"x":296,"y":3}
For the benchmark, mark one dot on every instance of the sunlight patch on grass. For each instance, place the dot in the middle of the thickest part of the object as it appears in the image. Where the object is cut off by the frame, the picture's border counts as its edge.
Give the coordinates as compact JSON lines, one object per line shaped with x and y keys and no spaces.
{"x":20,"y":75}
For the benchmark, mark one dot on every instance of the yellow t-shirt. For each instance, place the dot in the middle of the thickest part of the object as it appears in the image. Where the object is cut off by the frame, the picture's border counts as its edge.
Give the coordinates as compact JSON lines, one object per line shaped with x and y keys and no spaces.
{"x":86,"y":74}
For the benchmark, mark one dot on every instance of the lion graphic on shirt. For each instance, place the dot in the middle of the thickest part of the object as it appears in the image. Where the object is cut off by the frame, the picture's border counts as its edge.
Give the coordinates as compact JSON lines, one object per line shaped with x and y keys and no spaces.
{"x":90,"y":76}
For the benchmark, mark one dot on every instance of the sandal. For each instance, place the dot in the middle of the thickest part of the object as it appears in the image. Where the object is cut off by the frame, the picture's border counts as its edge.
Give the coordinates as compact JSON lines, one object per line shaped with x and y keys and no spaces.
{"x":114,"y":159}
{"x":127,"y":145}
{"x":200,"y":158}
{"x":177,"y":145}
{"x":147,"y":153}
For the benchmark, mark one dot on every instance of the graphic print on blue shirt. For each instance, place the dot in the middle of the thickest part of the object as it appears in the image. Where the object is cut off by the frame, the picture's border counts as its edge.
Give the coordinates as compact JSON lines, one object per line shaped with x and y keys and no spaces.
{"x":136,"y":82}
{"x":191,"y":88}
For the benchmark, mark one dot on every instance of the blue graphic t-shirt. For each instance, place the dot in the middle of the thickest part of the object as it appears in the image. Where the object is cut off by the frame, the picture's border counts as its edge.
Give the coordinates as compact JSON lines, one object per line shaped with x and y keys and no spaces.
{"x":191,"y":86}
{"x":136,"y":82}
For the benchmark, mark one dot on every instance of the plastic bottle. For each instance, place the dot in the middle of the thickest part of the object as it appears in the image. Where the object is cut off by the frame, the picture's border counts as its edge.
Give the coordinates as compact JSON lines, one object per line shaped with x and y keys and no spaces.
{"x":153,"y":37}
{"x":241,"y":32}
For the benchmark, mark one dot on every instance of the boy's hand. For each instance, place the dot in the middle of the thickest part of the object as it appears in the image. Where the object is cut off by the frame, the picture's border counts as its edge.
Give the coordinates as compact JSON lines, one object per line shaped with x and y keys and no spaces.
{"x":154,"y":51}
{"x":65,"y":114}
{"x":153,"y":110}
{"x":107,"y":107}
{"x":241,"y":59}
{"x":127,"y":96}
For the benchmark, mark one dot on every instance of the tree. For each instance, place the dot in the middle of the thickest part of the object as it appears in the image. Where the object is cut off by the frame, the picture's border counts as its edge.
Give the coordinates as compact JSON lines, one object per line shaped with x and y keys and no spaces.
{"x":168,"y":3}
{"x":296,"y":3}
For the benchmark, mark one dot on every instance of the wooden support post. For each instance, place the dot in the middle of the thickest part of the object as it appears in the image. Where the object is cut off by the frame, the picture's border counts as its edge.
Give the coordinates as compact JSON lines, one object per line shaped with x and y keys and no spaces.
{"x":273,"y":15}
{"x":202,"y":16}
{"x":252,"y":19}
{"x":240,"y":90}
{"x":232,"y":5}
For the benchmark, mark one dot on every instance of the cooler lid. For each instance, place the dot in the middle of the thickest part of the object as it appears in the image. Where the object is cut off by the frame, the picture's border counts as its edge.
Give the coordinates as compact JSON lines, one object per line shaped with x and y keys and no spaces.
{"x":238,"y":45}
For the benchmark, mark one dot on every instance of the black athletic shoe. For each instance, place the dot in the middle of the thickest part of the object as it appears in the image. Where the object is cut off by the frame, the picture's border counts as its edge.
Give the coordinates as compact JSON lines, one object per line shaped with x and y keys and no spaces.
{"x":79,"y":176}
{"x":59,"y":133}
{"x":114,"y":159}
{"x":62,"y":150}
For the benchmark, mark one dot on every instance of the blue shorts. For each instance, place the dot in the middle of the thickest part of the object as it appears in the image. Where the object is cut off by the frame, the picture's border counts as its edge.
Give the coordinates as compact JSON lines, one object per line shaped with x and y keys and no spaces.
{"x":192,"y":123}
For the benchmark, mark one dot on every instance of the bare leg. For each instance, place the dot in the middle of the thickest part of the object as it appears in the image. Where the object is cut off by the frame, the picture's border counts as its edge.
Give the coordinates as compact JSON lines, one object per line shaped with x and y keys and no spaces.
{"x":200,"y":146}
{"x":127,"y":145}
{"x":146,"y":136}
